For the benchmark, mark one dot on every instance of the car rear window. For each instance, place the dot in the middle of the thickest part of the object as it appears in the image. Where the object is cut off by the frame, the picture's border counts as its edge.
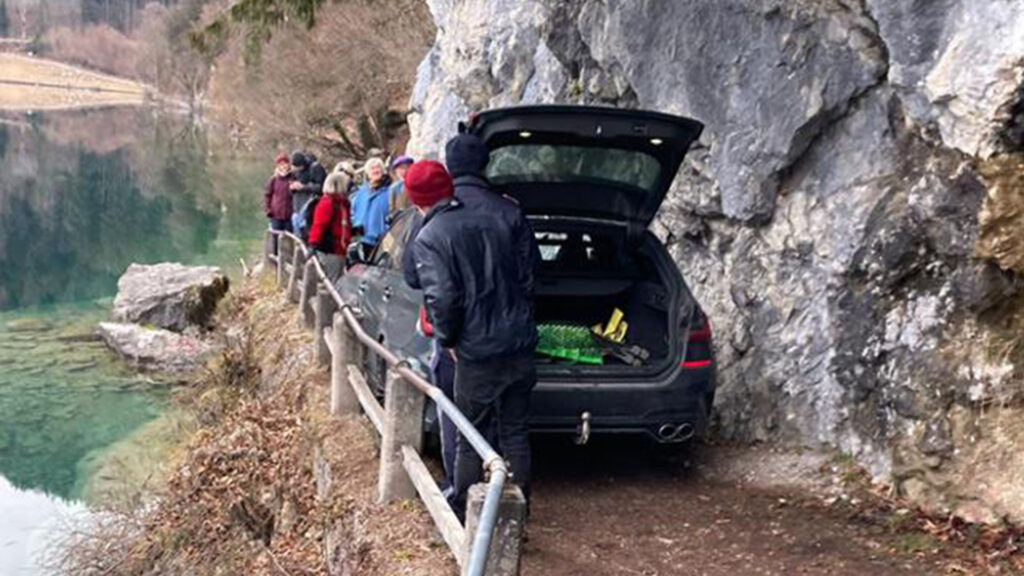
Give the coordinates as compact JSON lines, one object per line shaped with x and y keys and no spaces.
{"x":548,"y":163}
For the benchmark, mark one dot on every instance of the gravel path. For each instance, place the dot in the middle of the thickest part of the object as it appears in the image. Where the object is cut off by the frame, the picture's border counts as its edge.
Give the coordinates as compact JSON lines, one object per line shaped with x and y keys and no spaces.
{"x":621,"y":508}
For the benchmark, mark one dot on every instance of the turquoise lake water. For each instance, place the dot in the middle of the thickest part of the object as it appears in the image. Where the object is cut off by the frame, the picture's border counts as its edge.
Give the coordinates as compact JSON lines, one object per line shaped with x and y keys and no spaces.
{"x":83,"y":195}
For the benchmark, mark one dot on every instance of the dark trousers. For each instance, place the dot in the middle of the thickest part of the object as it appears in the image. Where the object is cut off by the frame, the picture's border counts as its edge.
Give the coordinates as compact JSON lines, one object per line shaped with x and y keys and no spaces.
{"x":279,"y":226}
{"x":494,"y":391}
{"x":443,"y":369}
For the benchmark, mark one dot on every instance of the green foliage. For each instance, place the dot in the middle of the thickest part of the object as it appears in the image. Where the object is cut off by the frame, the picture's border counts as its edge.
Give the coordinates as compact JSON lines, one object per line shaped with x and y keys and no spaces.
{"x":257,"y":20}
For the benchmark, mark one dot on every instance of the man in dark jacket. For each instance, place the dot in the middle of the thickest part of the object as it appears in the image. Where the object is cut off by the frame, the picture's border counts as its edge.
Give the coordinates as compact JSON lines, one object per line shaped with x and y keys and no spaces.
{"x":468,"y":265}
{"x":466,"y":157}
{"x":308,"y":185}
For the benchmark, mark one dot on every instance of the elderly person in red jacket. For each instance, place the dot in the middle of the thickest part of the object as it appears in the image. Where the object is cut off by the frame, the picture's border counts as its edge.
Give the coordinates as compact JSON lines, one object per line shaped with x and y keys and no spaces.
{"x":277,"y":200}
{"x":331,"y":232}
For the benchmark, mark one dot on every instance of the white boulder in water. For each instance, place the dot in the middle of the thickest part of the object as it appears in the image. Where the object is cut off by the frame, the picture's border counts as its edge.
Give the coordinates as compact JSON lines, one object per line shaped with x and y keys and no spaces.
{"x":155,"y":348}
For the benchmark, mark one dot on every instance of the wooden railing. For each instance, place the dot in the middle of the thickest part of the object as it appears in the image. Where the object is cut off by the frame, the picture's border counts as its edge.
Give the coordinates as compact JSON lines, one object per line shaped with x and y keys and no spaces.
{"x":490,"y":543}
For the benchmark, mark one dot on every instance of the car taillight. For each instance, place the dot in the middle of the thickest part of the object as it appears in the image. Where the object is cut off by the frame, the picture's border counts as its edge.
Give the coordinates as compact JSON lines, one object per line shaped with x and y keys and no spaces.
{"x":702,"y":333}
{"x":698,"y":348}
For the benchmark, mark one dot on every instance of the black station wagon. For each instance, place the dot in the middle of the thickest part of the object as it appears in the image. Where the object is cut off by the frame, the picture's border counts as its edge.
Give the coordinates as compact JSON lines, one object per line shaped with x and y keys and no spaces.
{"x":590,"y":180}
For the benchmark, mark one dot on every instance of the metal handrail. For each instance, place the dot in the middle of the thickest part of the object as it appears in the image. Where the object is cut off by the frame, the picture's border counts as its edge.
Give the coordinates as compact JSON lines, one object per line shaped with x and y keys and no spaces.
{"x":492,"y":461}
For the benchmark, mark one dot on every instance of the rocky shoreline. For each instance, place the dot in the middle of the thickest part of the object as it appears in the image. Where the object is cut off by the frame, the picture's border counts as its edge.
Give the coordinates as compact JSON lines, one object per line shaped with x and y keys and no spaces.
{"x":268,"y":481}
{"x":163,"y":312}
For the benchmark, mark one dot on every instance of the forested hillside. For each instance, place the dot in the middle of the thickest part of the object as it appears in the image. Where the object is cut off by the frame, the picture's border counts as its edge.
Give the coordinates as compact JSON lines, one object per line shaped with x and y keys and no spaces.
{"x":338,"y":82}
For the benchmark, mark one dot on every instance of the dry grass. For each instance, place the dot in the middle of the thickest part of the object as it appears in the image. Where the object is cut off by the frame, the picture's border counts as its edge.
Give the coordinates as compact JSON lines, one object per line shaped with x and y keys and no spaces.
{"x":26,"y":69}
{"x":31,"y":98}
{"x":37,"y":84}
{"x":245,"y":498}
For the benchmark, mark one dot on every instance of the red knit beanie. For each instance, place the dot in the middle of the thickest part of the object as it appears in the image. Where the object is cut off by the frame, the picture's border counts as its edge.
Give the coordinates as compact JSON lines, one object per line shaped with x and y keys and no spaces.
{"x":427,"y":183}
{"x":282,"y":158}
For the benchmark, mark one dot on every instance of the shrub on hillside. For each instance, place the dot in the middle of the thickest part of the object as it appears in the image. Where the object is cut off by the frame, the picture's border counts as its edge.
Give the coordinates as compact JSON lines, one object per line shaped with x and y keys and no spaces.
{"x":99,"y":47}
{"x":341,"y":87}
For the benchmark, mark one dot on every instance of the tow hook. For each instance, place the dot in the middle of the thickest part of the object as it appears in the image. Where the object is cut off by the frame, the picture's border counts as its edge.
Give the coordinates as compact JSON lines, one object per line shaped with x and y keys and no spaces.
{"x":583,"y":430}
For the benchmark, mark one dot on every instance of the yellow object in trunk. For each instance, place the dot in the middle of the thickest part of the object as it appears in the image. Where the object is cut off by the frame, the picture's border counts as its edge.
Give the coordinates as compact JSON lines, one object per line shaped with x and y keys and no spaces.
{"x":616,"y":329}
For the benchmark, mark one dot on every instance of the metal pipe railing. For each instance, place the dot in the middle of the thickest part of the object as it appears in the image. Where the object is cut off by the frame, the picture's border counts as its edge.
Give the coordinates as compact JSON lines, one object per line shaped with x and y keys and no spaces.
{"x":492,"y":461}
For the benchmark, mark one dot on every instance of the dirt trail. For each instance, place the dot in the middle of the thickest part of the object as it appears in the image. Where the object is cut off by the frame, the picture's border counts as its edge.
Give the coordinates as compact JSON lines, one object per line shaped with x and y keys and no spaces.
{"x":621,"y":509}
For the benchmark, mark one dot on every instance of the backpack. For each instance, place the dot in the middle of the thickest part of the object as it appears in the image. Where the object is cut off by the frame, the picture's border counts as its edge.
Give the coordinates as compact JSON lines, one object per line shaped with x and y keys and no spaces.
{"x":306,"y":218}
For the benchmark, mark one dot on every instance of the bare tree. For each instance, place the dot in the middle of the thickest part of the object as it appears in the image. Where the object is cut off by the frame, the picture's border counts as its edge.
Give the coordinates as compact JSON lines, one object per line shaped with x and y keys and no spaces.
{"x":22,"y":7}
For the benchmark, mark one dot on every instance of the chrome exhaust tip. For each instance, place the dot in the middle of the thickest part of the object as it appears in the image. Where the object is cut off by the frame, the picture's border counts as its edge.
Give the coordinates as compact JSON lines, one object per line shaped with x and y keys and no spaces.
{"x":675,"y":432}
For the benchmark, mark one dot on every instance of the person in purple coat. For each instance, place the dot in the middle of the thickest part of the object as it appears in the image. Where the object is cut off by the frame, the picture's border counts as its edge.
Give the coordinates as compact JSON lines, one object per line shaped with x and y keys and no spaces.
{"x":277,"y":200}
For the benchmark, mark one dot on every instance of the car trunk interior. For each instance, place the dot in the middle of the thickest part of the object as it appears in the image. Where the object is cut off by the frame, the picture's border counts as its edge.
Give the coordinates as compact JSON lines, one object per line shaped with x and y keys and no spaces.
{"x":588,"y":273}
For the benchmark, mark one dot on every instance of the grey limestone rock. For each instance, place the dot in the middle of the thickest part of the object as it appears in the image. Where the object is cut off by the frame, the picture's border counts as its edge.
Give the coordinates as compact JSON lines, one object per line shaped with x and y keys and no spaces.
{"x":169,"y":295}
{"x":154,"y":348}
{"x":828,"y":221}
{"x":958,"y":64}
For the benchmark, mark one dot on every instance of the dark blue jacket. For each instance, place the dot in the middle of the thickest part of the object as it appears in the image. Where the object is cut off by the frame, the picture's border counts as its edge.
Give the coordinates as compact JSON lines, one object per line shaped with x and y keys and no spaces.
{"x":476,"y":193}
{"x":312,"y":177}
{"x":477,"y":277}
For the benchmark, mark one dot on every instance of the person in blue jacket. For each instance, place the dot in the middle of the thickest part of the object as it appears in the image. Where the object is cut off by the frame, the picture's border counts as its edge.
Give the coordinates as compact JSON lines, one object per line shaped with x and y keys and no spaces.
{"x":370,"y":205}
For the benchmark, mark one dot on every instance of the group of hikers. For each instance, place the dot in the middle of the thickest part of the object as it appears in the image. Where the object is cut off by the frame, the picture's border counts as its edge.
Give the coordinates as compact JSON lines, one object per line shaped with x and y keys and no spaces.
{"x":472,"y":253}
{"x":329,"y":211}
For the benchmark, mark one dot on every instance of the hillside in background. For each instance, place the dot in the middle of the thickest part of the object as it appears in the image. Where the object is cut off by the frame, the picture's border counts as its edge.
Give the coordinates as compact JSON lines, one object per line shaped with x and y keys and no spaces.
{"x":339,"y":88}
{"x":140,"y":40}
{"x":32,"y":84}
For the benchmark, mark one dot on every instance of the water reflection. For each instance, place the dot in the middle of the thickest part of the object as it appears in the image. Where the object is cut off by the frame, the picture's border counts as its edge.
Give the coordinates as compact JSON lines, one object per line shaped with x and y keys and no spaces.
{"x":82,"y":195}
{"x":74,"y":215}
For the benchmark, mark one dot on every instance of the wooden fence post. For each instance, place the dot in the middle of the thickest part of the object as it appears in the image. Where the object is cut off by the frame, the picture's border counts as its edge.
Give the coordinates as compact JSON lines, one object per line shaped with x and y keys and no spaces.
{"x":269,"y":241}
{"x":403,"y":425}
{"x":507,"y":541}
{"x":308,"y":293}
{"x":281,"y":242}
{"x":325,"y":307}
{"x":343,"y":398}
{"x":293,"y":279}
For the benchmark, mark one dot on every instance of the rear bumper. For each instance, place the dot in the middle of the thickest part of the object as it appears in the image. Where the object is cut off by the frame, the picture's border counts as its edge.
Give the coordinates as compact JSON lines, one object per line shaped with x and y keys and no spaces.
{"x":620,"y":408}
{"x":681,"y":399}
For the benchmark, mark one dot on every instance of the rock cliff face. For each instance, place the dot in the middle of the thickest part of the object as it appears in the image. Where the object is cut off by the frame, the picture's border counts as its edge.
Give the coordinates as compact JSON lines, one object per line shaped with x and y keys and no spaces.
{"x":850,"y":220}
